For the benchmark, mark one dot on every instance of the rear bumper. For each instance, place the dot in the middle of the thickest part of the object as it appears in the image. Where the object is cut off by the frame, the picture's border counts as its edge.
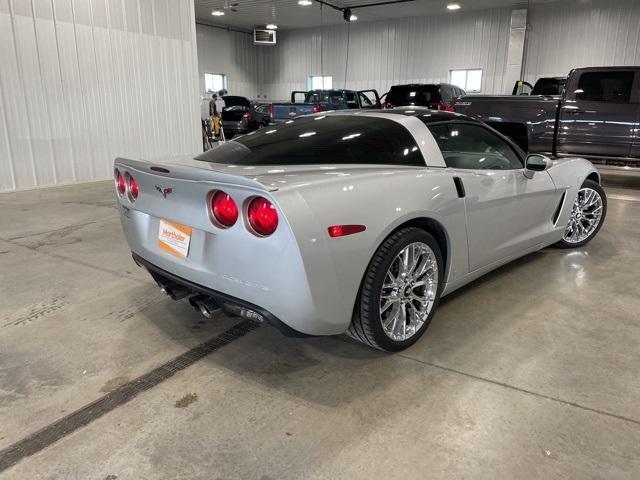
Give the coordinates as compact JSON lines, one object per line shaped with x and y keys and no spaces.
{"x":227,"y":303}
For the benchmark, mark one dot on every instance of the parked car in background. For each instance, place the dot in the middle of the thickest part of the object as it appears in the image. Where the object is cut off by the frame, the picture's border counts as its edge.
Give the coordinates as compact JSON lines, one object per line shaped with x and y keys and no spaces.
{"x":597,"y":116}
{"x":314,"y":101}
{"x":543,"y":86}
{"x":340,"y":222}
{"x":237,"y":116}
{"x":262,"y":113}
{"x":436,"y":96}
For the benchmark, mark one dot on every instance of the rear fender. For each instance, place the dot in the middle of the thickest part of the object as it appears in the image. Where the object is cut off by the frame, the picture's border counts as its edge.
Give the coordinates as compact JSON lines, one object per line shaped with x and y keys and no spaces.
{"x":335,"y":266}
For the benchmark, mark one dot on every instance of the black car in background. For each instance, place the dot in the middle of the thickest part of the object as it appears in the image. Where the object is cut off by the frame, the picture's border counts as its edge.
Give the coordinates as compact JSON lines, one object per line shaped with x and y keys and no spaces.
{"x":436,"y":96}
{"x":237,"y":116}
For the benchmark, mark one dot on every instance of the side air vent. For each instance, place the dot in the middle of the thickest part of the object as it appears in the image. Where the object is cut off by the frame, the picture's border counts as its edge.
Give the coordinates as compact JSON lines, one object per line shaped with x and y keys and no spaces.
{"x":559,"y":208}
{"x":264,"y":37}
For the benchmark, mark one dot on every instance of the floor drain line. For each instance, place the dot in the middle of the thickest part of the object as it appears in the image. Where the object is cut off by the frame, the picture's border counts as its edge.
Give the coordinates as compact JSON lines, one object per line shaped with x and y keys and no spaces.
{"x":50,"y":434}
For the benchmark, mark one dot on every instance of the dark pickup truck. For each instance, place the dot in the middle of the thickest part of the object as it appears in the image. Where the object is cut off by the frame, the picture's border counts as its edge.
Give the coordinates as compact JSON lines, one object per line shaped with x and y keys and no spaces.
{"x":597,"y":116}
{"x":315,"y":101}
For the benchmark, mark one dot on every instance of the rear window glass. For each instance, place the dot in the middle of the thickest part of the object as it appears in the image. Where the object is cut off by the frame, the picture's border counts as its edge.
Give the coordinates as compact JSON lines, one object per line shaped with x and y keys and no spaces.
{"x":327,"y":139}
{"x":548,"y":86}
{"x":419,"y":95}
{"x":230,"y":101}
{"x":323,"y":97}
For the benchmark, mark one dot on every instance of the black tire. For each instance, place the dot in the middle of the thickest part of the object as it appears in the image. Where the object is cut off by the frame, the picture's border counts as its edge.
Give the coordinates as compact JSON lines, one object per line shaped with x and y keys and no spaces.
{"x":366,"y":325}
{"x":595,"y":186}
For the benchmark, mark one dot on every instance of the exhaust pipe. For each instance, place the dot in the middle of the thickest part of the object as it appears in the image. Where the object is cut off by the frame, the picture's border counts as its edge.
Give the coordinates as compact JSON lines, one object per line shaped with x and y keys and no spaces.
{"x":174,"y":290}
{"x":207,"y":306}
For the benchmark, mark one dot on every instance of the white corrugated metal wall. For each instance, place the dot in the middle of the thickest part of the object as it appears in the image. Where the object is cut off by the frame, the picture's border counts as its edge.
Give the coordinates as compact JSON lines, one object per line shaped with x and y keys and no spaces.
{"x":581,"y":33}
{"x":419,"y":49}
{"x":230,"y":53}
{"x":84,"y":81}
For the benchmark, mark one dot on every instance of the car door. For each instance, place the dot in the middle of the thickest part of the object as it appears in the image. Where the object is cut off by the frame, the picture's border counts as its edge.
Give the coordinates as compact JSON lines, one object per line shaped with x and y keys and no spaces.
{"x":369,"y":98}
{"x":506,"y":212}
{"x":521,"y":88}
{"x":599,"y":113}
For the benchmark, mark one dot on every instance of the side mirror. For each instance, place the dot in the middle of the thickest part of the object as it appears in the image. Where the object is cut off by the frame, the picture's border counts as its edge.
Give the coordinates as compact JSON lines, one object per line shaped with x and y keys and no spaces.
{"x":536,"y":163}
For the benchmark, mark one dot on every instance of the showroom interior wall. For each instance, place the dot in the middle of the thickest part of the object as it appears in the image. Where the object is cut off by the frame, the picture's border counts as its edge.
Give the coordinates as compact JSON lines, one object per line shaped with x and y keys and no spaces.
{"x":82,"y":82}
{"x":230,"y":53}
{"x":383,"y":53}
{"x":581,"y":33}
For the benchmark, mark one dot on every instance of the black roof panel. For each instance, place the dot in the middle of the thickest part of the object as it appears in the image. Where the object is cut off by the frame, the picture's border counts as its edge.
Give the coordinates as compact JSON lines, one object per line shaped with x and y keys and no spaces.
{"x":425,"y":114}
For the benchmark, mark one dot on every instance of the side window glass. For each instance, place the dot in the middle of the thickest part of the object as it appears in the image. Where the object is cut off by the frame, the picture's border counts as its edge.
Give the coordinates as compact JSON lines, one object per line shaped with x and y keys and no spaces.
{"x":351,"y":100}
{"x":473,"y":147}
{"x":446,"y":94}
{"x":611,"y":86}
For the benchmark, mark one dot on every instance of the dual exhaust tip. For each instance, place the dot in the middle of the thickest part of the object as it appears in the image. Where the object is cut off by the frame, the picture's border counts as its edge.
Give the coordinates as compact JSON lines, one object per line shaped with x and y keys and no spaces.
{"x":201,"y":303}
{"x":205,"y":304}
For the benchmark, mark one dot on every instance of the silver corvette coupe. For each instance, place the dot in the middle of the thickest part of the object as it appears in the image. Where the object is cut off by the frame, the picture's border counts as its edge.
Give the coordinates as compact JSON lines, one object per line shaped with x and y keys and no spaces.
{"x":353,"y":221}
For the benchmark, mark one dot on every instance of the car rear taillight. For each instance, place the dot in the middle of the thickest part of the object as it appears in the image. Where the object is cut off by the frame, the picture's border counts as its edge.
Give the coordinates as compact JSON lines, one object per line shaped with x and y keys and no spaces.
{"x":224,"y":209}
{"x":133,"y":188}
{"x":386,"y":105}
{"x":247,"y":116}
{"x":263,"y":216}
{"x":317,"y":108}
{"x":121,"y":185}
{"x":343,"y":230}
{"x":271,"y":111}
{"x":444,"y":107}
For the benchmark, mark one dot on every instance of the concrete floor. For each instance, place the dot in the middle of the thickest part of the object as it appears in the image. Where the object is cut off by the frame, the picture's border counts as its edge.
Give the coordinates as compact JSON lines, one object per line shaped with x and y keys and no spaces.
{"x":530,"y":372}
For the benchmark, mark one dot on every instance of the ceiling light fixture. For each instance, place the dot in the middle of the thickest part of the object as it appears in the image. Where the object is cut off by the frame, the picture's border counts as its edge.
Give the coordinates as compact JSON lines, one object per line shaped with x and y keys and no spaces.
{"x":305,"y":3}
{"x":217,"y":13}
{"x":453,"y":6}
{"x":348,"y":16}
{"x":272,"y":26}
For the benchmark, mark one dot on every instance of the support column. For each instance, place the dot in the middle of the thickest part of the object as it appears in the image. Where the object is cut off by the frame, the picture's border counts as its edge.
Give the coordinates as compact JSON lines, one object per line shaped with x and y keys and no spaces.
{"x":515,"y":53}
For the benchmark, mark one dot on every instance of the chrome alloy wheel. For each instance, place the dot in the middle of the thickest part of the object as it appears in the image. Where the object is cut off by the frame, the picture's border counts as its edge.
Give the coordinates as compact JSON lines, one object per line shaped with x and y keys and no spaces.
{"x":586,"y":215}
{"x":408,"y":291}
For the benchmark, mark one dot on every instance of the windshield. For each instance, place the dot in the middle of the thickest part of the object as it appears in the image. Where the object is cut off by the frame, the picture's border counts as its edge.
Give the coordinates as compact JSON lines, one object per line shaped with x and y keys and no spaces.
{"x":326,"y":139}
{"x":232,"y":101}
{"x":236,"y":108}
{"x":419,"y":95}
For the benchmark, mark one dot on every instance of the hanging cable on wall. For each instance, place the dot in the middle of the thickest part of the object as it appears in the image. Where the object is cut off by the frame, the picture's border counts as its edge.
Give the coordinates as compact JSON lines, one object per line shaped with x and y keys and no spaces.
{"x":322,"y":46}
{"x":346,"y":62}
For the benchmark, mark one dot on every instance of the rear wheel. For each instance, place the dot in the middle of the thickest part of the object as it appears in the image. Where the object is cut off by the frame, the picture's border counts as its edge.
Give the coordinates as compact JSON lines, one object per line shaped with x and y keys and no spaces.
{"x":400,"y":291}
{"x":587,"y":216}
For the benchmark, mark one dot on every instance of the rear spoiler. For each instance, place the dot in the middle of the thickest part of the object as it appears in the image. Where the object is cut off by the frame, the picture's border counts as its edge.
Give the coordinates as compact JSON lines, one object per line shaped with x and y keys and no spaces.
{"x":186,"y":168}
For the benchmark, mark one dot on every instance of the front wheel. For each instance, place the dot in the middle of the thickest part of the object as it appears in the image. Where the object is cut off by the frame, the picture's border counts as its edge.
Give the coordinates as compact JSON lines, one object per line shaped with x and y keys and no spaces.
{"x":587,"y":216}
{"x":399,"y":292}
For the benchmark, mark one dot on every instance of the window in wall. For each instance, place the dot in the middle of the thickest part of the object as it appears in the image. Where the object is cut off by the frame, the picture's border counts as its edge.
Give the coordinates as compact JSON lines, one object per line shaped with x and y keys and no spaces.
{"x":214,"y":82}
{"x":320,"y":83}
{"x":469,"y":80}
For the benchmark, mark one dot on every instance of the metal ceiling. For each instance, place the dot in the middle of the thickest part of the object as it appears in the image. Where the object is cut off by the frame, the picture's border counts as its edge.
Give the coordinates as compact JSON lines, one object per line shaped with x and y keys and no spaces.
{"x":287,"y":14}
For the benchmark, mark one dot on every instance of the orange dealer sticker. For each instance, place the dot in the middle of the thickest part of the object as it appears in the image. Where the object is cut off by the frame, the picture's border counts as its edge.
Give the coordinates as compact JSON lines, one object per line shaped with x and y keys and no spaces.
{"x":174,"y":238}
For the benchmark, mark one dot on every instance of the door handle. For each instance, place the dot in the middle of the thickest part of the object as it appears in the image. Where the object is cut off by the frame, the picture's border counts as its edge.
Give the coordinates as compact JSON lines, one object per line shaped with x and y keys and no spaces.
{"x":572,"y":111}
{"x":459,"y":187}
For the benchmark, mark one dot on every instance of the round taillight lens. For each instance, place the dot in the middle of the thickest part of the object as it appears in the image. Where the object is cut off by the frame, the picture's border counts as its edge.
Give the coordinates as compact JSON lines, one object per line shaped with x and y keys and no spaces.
{"x":263,"y":216}
{"x":224,"y":209}
{"x":121,"y":185}
{"x":134,"y":190}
